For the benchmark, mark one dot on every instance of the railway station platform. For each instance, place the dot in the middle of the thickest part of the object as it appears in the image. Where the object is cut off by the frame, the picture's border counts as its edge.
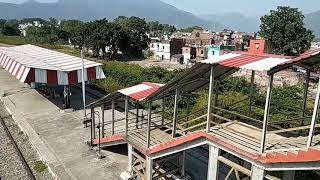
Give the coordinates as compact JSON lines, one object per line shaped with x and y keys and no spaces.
{"x":59,"y":138}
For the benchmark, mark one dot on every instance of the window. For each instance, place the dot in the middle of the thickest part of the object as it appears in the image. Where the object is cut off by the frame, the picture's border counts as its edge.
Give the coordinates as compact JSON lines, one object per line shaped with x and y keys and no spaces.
{"x":213,"y":53}
{"x":201,"y":51}
{"x":152,"y":45}
{"x":158,"y":46}
{"x":257,"y":45}
{"x":162,"y":47}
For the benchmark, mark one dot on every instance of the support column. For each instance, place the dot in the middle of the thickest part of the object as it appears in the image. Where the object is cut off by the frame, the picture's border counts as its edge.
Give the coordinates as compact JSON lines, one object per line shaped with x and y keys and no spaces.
{"x":182,"y":158}
{"x":213,"y":163}
{"x":66,"y":94}
{"x":102,"y":120}
{"x":288,"y":175}
{"x":149,"y":168}
{"x":130,"y":158}
{"x":257,"y":173}
{"x":126,"y":110}
{"x":112,"y":117}
{"x":163,"y":111}
{"x":305,"y":97}
{"x":137,"y":114}
{"x":210,"y":100}
{"x":175,"y":113}
{"x":149,"y":125}
{"x":251,"y":93}
{"x":314,"y":117}
{"x":266,"y":115}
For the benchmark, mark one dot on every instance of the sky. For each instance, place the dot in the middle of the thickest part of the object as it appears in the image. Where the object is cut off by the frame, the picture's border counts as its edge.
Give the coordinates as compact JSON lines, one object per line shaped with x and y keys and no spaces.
{"x":251,"y":8}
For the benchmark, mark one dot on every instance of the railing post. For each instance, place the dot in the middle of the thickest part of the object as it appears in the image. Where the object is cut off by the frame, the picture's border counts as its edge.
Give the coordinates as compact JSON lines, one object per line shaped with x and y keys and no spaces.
{"x":112,"y":117}
{"x":305,"y":97}
{"x":251,"y":93}
{"x":149,"y":124}
{"x":93,"y":124}
{"x":137,"y":114}
{"x":266,"y":114}
{"x":126,"y":115}
{"x":175,"y":113}
{"x":102,"y":121}
{"x":314,"y":117}
{"x":210,"y":99}
{"x":163,"y":111}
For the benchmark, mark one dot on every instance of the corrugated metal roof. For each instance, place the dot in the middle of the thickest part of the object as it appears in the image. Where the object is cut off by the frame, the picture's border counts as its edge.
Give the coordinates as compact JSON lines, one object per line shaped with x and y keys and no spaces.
{"x":36,"y":57}
{"x":249,"y":61}
{"x":141,"y":91}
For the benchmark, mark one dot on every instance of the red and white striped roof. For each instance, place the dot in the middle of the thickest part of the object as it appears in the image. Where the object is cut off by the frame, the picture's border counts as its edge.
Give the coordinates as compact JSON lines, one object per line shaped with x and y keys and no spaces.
{"x":141,"y":91}
{"x":30,"y":63}
{"x":41,"y":58}
{"x":256,"y":62}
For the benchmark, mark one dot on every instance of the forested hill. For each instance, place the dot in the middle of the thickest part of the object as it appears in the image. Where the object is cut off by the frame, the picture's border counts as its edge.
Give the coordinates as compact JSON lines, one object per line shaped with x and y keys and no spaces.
{"x":154,"y":10}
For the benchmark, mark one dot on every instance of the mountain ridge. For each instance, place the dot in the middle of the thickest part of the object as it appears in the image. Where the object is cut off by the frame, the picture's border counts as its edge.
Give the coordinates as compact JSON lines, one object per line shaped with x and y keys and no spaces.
{"x":151,"y":10}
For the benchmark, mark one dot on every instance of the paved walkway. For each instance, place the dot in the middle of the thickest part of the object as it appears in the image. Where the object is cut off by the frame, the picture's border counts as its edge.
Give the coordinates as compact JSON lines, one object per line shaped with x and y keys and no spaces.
{"x":58,"y":137}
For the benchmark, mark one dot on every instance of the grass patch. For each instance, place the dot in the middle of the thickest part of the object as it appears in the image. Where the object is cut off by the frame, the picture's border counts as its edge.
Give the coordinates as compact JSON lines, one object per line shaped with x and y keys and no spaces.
{"x":12,"y":40}
{"x":40,"y":167}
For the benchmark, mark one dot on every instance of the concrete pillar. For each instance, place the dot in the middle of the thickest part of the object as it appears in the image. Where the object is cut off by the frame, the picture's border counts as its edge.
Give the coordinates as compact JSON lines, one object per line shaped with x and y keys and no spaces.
{"x":102,"y":121}
{"x":175,"y":113}
{"x":130,"y":158}
{"x":182,"y":158}
{"x":257,"y":173}
{"x":288,"y":175}
{"x":266,"y":114}
{"x":149,"y":168}
{"x":210,"y":100}
{"x":213,"y":163}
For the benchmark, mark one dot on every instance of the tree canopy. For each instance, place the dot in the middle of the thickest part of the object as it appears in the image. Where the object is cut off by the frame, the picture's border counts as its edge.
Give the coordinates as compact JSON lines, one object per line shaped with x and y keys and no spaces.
{"x":284,"y":29}
{"x":158,"y":29}
{"x":190,"y":29}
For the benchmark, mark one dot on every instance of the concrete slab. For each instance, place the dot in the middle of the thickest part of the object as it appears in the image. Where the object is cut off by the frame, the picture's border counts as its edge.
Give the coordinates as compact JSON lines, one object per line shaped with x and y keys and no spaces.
{"x":58,"y":137}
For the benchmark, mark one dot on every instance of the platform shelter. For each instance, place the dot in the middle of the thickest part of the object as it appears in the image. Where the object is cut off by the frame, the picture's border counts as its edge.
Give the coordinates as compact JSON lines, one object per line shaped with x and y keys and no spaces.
{"x":263,"y":150}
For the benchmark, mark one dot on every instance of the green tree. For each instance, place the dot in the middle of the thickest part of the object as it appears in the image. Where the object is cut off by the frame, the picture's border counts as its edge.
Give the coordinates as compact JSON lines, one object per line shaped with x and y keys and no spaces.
{"x":284,"y":29}
{"x":158,"y":29}
{"x":46,"y":35}
{"x":10,"y":31}
{"x":190,"y":29}
{"x":136,"y":32}
{"x":9,"y":27}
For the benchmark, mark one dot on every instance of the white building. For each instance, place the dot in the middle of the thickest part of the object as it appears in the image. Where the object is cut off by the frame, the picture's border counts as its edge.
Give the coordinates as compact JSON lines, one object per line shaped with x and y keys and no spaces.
{"x":161,"y":50}
{"x":315,"y":45}
{"x":23,"y":27}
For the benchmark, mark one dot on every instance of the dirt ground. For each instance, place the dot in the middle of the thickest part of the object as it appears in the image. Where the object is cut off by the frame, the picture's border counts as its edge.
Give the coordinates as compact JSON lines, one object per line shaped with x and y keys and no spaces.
{"x":154,"y":63}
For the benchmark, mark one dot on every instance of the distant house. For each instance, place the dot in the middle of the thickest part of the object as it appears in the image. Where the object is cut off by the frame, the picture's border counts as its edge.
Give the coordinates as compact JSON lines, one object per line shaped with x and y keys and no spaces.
{"x":165,"y":49}
{"x":315,"y":45}
{"x":196,"y":46}
{"x":161,"y":49}
{"x":23,"y":27}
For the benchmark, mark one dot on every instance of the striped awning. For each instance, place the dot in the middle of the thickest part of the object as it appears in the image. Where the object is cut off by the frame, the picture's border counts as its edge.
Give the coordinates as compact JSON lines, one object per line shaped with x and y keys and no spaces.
{"x":30,"y":63}
{"x":19,"y":70}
